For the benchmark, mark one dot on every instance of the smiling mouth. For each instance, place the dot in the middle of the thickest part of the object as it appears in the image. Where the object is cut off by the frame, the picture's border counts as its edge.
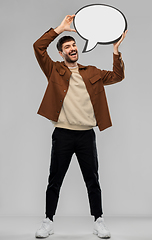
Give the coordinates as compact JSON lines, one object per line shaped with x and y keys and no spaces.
{"x":73,"y":54}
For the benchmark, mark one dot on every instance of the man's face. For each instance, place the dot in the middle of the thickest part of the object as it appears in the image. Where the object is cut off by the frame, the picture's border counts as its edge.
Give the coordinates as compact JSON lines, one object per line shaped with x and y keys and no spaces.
{"x":69,"y":52}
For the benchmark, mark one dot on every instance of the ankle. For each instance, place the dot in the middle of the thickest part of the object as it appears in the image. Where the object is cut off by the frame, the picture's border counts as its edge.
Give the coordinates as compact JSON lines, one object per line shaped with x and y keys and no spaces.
{"x":50,"y":217}
{"x":96,"y":217}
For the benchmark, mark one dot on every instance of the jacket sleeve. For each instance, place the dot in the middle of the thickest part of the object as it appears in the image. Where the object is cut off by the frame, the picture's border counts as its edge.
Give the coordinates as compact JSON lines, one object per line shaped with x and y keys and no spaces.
{"x":40,"y":49}
{"x":117,"y":75}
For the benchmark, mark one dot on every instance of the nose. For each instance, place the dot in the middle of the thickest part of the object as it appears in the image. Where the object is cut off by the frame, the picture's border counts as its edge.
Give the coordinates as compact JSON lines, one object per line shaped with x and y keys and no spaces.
{"x":72,"y":48}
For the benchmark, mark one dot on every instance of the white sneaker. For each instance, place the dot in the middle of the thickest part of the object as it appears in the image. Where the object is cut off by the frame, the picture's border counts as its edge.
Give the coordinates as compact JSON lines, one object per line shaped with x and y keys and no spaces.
{"x":100,"y":229}
{"x":45,"y":229}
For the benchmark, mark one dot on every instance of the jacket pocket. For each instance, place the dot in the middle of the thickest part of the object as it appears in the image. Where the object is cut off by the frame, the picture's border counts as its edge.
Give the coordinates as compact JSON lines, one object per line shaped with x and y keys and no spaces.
{"x":97,"y":83}
{"x":56,"y":78}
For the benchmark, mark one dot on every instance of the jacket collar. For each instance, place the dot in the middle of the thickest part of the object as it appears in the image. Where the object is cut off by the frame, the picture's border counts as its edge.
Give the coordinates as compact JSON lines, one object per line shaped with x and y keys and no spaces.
{"x":81,"y":66}
{"x":62,"y":68}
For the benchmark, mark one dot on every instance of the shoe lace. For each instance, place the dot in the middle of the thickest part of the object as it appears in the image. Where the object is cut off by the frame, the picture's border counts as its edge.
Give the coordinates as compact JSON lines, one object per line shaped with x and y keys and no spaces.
{"x":43,"y":226}
{"x":102,"y":225}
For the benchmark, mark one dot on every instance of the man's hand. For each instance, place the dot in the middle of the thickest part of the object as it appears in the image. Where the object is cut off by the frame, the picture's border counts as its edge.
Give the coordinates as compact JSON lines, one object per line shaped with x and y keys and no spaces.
{"x":116,"y":45}
{"x":65,"y":25}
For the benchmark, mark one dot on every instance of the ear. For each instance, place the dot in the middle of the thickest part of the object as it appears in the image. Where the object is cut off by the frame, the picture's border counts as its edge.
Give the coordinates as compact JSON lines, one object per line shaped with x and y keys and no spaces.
{"x":61,"y":54}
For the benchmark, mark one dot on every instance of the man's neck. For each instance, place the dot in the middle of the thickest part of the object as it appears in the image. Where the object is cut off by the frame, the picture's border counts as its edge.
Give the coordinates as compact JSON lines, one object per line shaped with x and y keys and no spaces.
{"x":74,"y":64}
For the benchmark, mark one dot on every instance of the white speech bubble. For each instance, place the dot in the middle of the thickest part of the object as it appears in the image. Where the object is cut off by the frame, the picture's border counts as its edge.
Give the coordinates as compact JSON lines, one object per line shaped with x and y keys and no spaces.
{"x":99,"y":23}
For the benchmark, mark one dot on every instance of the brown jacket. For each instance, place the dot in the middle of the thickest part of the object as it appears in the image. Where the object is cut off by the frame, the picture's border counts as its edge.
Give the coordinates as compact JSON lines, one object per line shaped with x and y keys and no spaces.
{"x":58,"y":76}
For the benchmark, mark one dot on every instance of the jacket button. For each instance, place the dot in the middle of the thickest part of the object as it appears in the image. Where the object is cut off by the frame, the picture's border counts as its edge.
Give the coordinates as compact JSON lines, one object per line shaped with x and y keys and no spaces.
{"x":64,"y":90}
{"x":60,"y":100}
{"x":57,"y":111}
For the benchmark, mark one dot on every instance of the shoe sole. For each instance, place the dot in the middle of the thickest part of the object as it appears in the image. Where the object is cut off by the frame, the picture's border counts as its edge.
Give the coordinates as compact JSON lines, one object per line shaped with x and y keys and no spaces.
{"x":49,"y":233}
{"x":101,"y":236}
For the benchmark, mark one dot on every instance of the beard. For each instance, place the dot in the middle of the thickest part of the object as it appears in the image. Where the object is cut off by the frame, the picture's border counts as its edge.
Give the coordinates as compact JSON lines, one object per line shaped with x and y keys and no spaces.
{"x":69,"y":58}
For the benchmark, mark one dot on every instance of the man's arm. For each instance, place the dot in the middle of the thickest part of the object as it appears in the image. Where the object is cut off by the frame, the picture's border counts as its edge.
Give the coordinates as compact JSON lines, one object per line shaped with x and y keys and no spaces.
{"x":40,"y":49}
{"x":117,"y":75}
{"x":40,"y":46}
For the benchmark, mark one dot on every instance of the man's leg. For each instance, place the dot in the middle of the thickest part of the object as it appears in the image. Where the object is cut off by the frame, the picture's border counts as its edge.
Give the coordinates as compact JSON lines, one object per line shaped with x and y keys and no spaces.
{"x":61,"y":154}
{"x":87,"y":157}
{"x":86,"y":153}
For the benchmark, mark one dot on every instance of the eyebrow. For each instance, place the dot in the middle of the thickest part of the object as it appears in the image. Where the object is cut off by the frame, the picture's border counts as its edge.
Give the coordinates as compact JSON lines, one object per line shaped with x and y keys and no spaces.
{"x":69,"y":45}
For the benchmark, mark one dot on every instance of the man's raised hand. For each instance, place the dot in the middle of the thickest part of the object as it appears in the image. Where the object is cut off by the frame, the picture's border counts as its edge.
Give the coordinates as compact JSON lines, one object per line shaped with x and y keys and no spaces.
{"x":116,"y":45}
{"x":65,"y":25}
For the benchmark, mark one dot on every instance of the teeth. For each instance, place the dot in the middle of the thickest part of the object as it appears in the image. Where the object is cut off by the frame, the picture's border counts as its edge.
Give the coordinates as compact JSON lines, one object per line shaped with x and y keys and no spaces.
{"x":73,"y":53}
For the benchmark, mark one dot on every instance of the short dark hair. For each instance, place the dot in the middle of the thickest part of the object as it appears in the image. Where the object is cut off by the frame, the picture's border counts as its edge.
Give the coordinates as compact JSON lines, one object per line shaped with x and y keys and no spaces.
{"x":63,"y":40}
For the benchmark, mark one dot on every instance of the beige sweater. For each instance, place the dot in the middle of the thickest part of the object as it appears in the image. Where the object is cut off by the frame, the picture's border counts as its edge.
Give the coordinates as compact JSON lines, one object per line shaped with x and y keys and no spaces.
{"x":77,"y":111}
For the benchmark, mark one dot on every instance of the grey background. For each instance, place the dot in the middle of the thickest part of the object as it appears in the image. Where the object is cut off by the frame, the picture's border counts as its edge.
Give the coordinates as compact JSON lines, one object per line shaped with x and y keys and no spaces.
{"x":124,"y":150}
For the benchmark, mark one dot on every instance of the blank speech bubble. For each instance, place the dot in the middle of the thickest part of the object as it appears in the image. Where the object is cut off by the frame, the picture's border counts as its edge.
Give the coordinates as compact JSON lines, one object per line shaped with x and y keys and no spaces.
{"x":99,"y":23}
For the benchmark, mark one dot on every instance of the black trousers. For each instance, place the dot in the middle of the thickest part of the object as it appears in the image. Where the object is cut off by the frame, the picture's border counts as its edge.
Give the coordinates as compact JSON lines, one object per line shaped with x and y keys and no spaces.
{"x":65,"y":143}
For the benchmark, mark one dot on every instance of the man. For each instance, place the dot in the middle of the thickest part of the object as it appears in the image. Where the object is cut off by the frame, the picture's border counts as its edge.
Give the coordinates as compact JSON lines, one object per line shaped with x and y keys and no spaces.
{"x":75,"y":102}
